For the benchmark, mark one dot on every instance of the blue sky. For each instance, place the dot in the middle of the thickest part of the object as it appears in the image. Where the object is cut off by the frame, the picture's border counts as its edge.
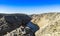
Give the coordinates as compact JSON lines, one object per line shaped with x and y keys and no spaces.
{"x":29,"y":6}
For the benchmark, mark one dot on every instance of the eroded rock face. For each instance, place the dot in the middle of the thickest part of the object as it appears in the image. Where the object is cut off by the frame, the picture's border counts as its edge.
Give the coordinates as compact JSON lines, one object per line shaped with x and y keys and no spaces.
{"x":21,"y":31}
{"x":49,"y":24}
{"x":10,"y":22}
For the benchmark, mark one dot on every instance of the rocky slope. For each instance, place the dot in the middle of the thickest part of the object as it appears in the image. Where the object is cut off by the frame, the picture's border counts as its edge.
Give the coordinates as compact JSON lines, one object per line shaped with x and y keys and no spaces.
{"x":49,"y":24}
{"x":46,"y":24}
{"x":10,"y":24}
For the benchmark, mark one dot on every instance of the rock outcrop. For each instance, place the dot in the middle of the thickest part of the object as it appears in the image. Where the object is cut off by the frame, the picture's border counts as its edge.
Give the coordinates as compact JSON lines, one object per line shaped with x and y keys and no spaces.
{"x":12,"y":22}
{"x":17,"y":25}
{"x":49,"y":24}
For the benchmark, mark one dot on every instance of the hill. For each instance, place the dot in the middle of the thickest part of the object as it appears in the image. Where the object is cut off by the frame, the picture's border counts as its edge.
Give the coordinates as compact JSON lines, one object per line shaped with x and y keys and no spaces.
{"x":46,"y":24}
{"x":49,"y":24}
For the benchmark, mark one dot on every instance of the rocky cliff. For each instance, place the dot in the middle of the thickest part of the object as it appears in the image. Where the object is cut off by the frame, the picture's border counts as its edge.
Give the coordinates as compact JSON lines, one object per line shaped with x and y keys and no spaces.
{"x":11,"y":23}
{"x":49,"y":24}
{"x":46,"y":24}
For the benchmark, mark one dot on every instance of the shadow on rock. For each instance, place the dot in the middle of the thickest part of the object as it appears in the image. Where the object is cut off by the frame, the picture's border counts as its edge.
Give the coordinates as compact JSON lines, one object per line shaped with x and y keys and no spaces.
{"x":11,"y":22}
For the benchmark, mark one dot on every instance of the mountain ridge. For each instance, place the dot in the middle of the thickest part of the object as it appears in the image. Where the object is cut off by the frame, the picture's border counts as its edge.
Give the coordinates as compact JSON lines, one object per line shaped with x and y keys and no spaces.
{"x":48,"y":23}
{"x":45,"y":22}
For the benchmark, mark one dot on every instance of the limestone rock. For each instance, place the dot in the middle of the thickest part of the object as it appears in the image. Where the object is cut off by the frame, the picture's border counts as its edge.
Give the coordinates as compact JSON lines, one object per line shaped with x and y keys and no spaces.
{"x":49,"y":24}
